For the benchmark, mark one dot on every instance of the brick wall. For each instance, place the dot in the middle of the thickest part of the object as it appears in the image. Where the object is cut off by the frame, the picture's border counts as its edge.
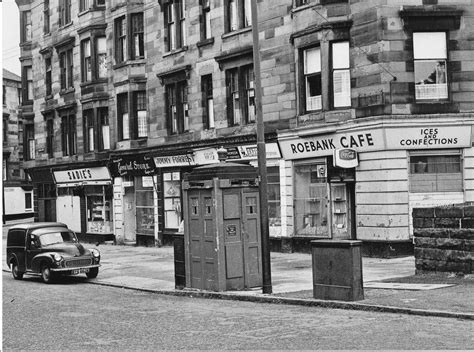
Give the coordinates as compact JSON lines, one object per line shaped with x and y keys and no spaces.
{"x":444,"y":238}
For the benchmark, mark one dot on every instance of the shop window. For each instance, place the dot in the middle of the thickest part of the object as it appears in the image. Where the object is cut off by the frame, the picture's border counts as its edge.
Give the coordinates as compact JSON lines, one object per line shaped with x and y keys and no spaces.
{"x":206,"y":32}
{"x":207,"y":102}
{"x":46,"y":19}
{"x":430,"y":56}
{"x":120,"y":40}
{"x":27,"y":26}
{"x":172,"y":199}
{"x":48,"y":76}
{"x":177,"y":107}
{"x":123,"y":117}
{"x":27,"y":83}
{"x":64,"y":12}
{"x":238,"y":14}
{"x":145,"y":210}
{"x":137,"y":34}
{"x":430,"y":172}
{"x":66,"y":67}
{"x":86,"y":60}
{"x":99,"y":210}
{"x":28,"y":201}
{"x":175,"y":24}
{"x":104,"y":129}
{"x":312,"y":79}
{"x":30,"y":142}
{"x":341,"y":77}
{"x":273,"y":188}
{"x":89,"y":130}
{"x":311,"y":200}
{"x":68,"y":134}
{"x":50,"y":135}
{"x":240,"y":95}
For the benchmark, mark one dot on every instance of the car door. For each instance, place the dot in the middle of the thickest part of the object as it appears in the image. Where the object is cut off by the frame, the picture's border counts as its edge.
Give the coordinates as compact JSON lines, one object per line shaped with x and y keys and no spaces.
{"x":33,"y":248}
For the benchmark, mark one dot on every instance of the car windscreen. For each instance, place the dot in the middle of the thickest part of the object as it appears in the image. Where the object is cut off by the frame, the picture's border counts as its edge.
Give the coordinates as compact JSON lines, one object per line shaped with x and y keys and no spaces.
{"x":49,"y":238}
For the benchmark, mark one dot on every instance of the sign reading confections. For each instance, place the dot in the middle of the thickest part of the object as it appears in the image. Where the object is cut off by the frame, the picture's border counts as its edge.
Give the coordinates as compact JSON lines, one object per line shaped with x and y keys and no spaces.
{"x":428,"y":137}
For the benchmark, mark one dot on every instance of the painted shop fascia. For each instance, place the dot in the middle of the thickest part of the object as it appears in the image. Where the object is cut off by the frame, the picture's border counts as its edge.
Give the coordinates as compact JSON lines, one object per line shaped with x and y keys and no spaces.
{"x":147,"y":194}
{"x":387,"y":183}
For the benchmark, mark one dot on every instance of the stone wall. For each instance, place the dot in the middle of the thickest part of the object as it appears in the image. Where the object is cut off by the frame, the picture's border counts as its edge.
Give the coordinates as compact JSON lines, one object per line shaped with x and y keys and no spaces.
{"x":444,"y":238}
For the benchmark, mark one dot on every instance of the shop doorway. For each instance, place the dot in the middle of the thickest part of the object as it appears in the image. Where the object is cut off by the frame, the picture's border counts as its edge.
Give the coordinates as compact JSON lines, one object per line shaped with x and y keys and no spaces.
{"x":342,"y":210}
{"x":129,"y":220}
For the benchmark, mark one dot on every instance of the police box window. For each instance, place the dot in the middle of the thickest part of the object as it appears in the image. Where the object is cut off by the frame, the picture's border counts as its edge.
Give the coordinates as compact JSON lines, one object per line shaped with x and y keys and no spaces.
{"x":438,"y":171}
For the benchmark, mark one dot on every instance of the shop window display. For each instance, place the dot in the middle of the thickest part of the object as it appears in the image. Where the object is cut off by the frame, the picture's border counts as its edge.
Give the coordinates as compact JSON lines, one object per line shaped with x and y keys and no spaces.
{"x":311,"y":200}
{"x":172,"y":198}
{"x":145,"y":211}
{"x":98,"y":211}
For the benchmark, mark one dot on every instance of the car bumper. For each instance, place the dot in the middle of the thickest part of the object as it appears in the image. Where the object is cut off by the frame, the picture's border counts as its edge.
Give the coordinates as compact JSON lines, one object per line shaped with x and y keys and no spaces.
{"x":71,"y":270}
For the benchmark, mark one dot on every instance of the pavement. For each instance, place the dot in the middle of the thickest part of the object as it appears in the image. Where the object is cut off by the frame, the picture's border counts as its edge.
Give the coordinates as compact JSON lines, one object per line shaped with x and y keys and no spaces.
{"x":390,"y":285}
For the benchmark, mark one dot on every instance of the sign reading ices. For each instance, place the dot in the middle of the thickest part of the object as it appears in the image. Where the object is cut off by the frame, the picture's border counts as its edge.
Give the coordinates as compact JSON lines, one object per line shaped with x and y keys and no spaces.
{"x":427,"y":137}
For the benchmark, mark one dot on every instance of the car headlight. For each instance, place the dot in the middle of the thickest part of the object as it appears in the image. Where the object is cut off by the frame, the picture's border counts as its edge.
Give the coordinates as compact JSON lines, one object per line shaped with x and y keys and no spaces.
{"x":57,"y":257}
{"x":95,"y":253}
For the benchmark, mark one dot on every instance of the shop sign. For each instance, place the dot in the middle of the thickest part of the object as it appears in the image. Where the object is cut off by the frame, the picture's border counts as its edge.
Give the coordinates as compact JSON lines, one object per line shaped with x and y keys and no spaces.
{"x":136,"y":166}
{"x":92,"y":175}
{"x":428,"y":137}
{"x":323,"y":145}
{"x":250,"y":152}
{"x":345,"y":158}
{"x":206,"y":156}
{"x":174,"y":160}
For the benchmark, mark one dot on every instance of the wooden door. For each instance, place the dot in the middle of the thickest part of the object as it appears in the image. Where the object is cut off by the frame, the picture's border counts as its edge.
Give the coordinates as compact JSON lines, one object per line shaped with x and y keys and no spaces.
{"x":251,"y":239}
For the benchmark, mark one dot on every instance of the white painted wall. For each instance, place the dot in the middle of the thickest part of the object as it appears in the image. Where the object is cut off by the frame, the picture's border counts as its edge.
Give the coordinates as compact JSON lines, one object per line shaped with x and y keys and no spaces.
{"x":68,"y":211}
{"x":15,"y":201}
{"x":382,"y":212}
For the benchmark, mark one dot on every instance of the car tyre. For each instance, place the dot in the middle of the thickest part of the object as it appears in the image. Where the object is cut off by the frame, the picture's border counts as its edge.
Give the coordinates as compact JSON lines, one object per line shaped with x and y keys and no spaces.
{"x":93,"y":272}
{"x":46,"y":274}
{"x":16,"y":273}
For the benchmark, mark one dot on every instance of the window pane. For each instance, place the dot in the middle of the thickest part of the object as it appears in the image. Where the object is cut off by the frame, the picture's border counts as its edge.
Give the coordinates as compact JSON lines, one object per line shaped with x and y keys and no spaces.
{"x":105,"y":137}
{"x":342,"y":88}
{"x":429,"y":45}
{"x":312,"y":60}
{"x":142,"y":123}
{"x":435,"y":173}
{"x":125,"y":126}
{"x":313,"y":92}
{"x":248,"y":13}
{"x":340,"y":55}
{"x":430,"y":78}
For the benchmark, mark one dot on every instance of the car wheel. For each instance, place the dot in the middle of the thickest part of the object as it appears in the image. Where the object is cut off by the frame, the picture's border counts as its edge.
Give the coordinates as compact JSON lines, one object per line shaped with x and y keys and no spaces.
{"x":93,"y":272}
{"x":17,"y":274}
{"x":46,"y":274}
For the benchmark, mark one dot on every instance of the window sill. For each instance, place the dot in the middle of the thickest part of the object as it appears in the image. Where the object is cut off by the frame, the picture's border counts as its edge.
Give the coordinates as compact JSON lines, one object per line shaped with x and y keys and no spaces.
{"x":176,"y":51}
{"x":67,"y":25}
{"x":129,"y":63}
{"x":66,"y":91}
{"x":45,"y":35}
{"x":236,"y":32}
{"x":301,"y":8}
{"x":204,"y":42}
{"x":94,"y":82}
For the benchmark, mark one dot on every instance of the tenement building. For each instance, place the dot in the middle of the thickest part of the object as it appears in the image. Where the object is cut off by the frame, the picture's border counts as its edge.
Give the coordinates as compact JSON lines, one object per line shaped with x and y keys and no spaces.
{"x":368,"y":109}
{"x":17,"y":192}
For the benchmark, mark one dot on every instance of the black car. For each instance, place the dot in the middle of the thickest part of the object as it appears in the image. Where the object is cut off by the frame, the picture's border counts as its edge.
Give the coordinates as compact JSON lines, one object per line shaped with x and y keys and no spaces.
{"x":49,"y":249}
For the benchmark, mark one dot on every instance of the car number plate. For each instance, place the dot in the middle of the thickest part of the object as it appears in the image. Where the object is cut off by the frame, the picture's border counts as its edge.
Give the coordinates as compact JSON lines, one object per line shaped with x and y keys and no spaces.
{"x":78,"y":271}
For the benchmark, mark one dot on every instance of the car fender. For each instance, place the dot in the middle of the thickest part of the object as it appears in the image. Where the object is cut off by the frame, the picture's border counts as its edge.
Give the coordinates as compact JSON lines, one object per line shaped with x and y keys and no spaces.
{"x":38,"y":261}
{"x":11,"y":257}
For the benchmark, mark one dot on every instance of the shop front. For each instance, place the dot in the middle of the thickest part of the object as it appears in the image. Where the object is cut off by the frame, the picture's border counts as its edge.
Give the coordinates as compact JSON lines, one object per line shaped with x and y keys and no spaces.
{"x":170,"y":171}
{"x":360,"y":181}
{"x":135,"y":200}
{"x":84,"y":202}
